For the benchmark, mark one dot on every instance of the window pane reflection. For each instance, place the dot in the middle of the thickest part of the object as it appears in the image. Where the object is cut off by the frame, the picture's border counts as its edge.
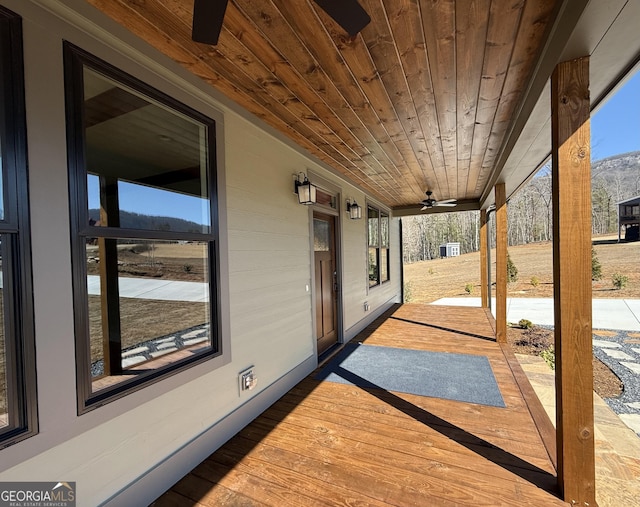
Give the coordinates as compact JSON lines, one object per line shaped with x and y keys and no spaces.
{"x":146,"y":163}
{"x":384,"y":230}
{"x":1,"y":187}
{"x":162,"y":306}
{"x":4,"y":406}
{"x":373,"y":226}
{"x":373,"y":266}
{"x":384,"y":265}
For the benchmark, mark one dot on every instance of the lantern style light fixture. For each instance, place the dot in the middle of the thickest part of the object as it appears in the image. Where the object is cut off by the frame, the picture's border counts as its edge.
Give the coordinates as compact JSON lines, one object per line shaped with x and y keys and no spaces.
{"x":305,"y":189}
{"x":355,"y":211}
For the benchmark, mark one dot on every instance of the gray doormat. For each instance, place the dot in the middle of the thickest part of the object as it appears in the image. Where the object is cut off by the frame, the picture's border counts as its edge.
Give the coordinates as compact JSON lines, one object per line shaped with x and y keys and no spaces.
{"x":459,"y":377}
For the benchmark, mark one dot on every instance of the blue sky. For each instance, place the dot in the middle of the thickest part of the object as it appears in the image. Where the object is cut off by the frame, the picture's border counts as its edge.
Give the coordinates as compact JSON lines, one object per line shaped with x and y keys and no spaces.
{"x":615,"y":127}
{"x":153,"y":201}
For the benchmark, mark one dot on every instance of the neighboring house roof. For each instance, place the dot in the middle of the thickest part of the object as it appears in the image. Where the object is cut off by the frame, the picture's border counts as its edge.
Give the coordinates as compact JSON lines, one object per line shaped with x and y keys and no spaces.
{"x":632,"y":200}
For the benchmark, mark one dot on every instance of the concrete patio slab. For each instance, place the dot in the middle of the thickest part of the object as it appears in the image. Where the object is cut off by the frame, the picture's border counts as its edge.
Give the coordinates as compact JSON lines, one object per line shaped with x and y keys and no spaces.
{"x":634,"y":307}
{"x":617,"y":354}
{"x":634,"y":367}
{"x":145,"y":288}
{"x":137,"y":287}
{"x":632,"y":420}
{"x":622,"y":314}
{"x":606,"y":345}
{"x":537,"y":310}
{"x":614,"y":314}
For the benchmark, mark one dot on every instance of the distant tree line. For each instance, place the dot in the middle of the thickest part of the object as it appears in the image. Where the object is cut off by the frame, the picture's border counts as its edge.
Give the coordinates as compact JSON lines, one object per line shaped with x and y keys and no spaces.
{"x":131,"y":220}
{"x":529,"y":211}
{"x":423,"y":234}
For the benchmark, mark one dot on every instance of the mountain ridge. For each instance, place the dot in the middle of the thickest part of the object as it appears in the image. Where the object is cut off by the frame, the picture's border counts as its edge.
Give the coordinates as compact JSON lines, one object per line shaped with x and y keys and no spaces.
{"x":132,"y":220}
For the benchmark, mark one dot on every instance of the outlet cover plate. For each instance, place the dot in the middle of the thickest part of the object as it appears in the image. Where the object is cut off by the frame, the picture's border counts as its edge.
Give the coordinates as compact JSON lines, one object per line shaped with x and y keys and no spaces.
{"x":246,"y":380}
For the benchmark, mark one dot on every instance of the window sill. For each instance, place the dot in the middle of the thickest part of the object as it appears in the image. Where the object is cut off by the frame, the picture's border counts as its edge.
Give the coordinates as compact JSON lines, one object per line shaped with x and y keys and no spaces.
{"x":111,"y":387}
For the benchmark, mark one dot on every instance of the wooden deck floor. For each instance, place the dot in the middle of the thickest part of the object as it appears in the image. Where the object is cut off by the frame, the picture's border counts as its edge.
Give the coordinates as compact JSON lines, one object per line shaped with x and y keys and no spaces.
{"x":326,"y":443}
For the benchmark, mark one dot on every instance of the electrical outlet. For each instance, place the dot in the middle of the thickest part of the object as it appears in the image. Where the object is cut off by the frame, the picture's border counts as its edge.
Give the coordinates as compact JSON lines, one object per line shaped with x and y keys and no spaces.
{"x":247,"y":379}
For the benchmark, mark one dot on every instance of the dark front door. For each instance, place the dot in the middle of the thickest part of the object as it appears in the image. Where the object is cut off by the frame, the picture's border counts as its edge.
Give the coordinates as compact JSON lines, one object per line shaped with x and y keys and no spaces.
{"x":326,"y":278}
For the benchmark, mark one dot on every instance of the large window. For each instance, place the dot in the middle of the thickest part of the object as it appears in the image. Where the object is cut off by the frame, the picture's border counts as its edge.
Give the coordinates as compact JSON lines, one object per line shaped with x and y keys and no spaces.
{"x":17,"y":371}
{"x":143,"y":194}
{"x":378,"y":241}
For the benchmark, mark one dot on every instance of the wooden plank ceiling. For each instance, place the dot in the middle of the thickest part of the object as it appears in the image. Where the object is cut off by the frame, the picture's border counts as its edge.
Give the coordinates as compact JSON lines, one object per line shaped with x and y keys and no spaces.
{"x":422,"y":99}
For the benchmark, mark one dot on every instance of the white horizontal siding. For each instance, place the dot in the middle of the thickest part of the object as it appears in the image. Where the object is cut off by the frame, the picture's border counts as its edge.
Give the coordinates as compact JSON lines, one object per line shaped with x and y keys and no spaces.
{"x":269,"y":253}
{"x":266,"y":277}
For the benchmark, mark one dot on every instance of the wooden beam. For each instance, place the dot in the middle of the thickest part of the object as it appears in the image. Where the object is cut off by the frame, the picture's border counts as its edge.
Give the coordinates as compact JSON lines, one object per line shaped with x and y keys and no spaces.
{"x":109,"y":291}
{"x":571,"y":188}
{"x":192,"y":176}
{"x":501,"y":263}
{"x":484,"y":269}
{"x":110,"y":104}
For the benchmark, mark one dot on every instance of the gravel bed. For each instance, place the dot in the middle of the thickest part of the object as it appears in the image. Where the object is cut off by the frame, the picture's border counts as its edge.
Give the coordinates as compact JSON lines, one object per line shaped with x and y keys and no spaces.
{"x":156,"y":344}
{"x":630,"y":379}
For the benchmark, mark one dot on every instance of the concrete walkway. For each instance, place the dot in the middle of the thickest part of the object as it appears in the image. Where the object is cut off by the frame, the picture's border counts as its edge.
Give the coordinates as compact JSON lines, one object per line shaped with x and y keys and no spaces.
{"x":148,"y":288}
{"x":621,"y":314}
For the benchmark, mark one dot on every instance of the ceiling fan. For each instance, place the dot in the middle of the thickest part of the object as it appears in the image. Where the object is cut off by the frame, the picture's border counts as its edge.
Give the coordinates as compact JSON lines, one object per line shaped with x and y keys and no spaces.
{"x":209,"y":14}
{"x":430,"y":202}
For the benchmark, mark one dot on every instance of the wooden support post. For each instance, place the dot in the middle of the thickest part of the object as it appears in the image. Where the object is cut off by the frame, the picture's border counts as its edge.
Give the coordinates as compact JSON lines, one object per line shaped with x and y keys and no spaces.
{"x":484,"y":269}
{"x":501,"y":263}
{"x":571,"y":190}
{"x":109,"y":291}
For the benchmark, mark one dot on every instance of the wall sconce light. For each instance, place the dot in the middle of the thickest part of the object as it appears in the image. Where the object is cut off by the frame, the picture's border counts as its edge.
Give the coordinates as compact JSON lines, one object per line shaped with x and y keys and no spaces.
{"x":355,"y":211}
{"x":305,"y":189}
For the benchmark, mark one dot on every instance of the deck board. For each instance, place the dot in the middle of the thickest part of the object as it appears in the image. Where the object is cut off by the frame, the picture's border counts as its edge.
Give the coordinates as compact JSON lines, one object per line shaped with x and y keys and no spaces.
{"x":327,"y":443}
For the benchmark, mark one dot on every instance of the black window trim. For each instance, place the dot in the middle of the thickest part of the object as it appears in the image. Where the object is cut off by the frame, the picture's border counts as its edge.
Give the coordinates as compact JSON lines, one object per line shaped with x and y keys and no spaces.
{"x":20,"y":339}
{"x":75,"y":59}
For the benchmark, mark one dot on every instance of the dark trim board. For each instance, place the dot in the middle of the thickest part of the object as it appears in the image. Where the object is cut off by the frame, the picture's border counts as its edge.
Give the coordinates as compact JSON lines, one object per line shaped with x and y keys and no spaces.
{"x":15,"y":226}
{"x":79,"y":116}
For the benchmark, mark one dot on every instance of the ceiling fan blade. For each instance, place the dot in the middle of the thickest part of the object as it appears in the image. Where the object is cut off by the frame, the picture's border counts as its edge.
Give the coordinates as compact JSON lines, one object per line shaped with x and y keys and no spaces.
{"x":207,"y":20}
{"x":448,"y":204}
{"x":424,"y":208}
{"x":446,"y":201}
{"x":349,"y":14}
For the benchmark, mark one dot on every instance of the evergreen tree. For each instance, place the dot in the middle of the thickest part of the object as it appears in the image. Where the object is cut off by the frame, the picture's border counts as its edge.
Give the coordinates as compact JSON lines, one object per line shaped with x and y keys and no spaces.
{"x":596,"y":267}
{"x":512,"y":271}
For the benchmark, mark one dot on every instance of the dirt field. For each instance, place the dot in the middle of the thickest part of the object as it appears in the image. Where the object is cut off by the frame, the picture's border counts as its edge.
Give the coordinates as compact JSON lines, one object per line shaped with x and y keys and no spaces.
{"x":536,"y":340}
{"x":181,"y":251}
{"x":428,"y":281}
{"x":167,"y":261}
